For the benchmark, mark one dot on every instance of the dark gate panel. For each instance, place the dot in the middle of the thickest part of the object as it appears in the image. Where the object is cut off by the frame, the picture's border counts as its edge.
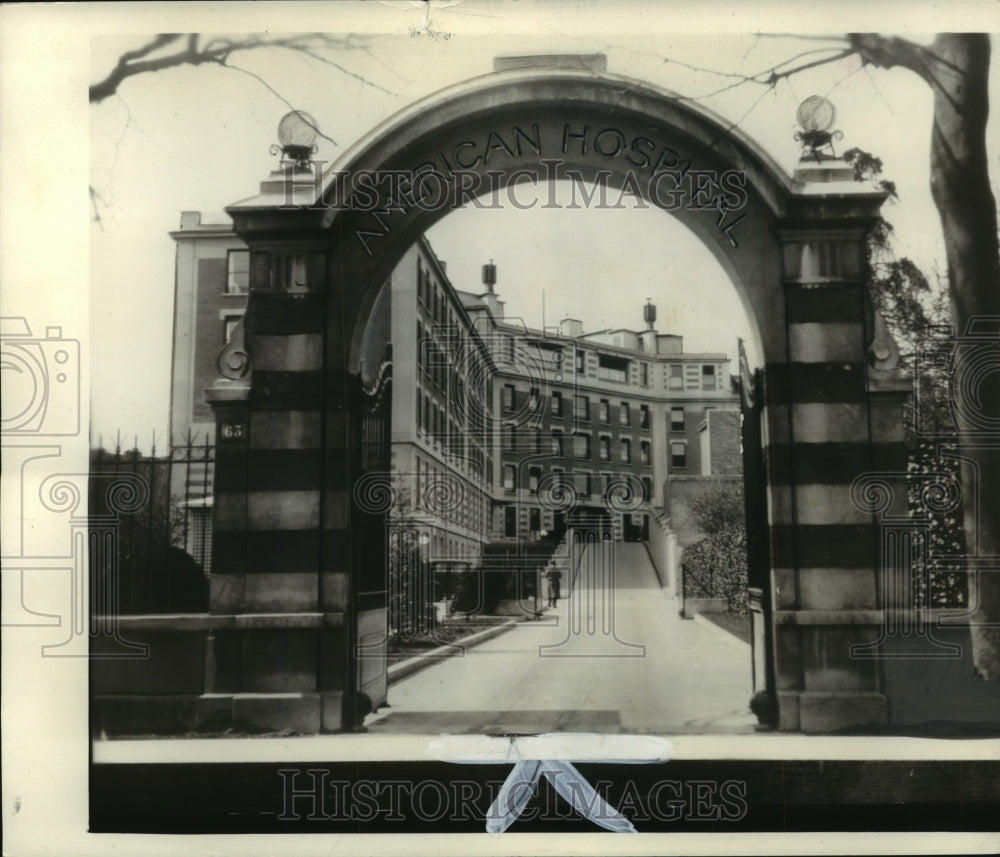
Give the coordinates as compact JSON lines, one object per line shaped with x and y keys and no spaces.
{"x":758,"y":554}
{"x":370,"y":546}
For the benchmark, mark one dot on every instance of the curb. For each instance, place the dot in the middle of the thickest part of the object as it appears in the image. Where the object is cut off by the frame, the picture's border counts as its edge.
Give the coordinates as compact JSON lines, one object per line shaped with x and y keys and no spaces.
{"x":721,"y":634}
{"x":420,"y":662}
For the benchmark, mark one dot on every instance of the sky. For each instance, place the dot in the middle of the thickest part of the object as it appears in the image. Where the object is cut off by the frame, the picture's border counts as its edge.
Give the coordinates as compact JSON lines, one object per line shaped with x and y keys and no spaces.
{"x":595,"y":265}
{"x":198,"y":138}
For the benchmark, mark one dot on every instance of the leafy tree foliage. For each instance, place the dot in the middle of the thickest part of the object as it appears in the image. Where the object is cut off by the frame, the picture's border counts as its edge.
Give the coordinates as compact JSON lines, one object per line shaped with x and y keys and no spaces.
{"x":916,"y":314}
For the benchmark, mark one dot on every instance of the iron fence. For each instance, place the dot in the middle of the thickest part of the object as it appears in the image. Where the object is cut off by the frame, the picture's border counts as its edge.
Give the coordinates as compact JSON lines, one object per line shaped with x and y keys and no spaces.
{"x":163,"y":548}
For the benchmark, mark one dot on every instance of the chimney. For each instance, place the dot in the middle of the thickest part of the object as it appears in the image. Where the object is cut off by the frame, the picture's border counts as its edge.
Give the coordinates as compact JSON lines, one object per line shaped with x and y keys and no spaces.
{"x":647,"y":337}
{"x":571,"y":327}
{"x":649,"y":314}
{"x":489,"y":276}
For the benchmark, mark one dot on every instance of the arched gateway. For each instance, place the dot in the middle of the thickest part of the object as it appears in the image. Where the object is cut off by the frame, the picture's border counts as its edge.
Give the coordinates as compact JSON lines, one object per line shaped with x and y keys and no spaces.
{"x":294,"y":566}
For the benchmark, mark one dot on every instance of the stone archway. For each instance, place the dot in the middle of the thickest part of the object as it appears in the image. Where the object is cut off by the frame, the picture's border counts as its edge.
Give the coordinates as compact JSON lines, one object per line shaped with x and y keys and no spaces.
{"x":289,"y":564}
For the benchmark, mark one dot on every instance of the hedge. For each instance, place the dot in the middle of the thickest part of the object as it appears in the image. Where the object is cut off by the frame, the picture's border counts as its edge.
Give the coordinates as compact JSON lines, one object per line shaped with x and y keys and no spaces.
{"x":716,"y":567}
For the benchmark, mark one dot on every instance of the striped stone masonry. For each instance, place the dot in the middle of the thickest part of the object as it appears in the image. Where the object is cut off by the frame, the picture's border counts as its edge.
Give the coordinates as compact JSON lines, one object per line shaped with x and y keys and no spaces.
{"x":825,"y":431}
{"x":281,"y":516}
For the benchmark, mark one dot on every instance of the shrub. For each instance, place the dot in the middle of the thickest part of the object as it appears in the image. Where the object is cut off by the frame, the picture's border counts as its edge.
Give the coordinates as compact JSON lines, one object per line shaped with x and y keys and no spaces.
{"x":716,"y":567}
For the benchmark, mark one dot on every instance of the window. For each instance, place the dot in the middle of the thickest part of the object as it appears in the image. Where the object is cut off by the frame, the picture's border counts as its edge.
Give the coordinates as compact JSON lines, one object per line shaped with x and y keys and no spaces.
{"x":557,"y":444}
{"x":677,"y":419}
{"x":420,"y":411}
{"x":420,"y":281}
{"x":534,"y":474}
{"x":510,"y":522}
{"x":428,"y":357}
{"x":644,"y":453}
{"x":533,"y":399}
{"x":508,"y":437}
{"x":508,"y":397}
{"x":579,"y":361}
{"x":676,"y":377}
{"x":557,"y":405}
{"x":604,"y":411}
{"x":427,"y":414}
{"x":581,"y":407}
{"x":626,"y":450}
{"x":708,"y":377}
{"x":581,"y":446}
{"x":538,"y":441}
{"x":509,"y":477}
{"x":647,"y":489}
{"x":678,"y":454}
{"x":535,"y":520}
{"x":644,"y":374}
{"x":623,"y":414}
{"x":582,"y":481}
{"x":238,"y":272}
{"x":644,"y":416}
{"x":605,"y":449}
{"x":612,"y":368}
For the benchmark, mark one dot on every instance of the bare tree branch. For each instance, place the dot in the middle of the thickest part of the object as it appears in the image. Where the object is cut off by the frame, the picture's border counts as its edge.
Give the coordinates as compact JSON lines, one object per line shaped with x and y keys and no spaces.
{"x":773,"y":75}
{"x":281,"y":97}
{"x":319,"y":58}
{"x":217,"y":51}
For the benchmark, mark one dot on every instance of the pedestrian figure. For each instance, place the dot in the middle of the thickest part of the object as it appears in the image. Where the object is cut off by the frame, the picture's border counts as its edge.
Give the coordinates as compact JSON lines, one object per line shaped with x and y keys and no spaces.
{"x":554,"y":576}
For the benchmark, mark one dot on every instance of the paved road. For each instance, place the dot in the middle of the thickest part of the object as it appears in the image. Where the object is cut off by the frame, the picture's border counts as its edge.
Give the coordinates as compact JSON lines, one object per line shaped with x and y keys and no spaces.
{"x":625,"y":663}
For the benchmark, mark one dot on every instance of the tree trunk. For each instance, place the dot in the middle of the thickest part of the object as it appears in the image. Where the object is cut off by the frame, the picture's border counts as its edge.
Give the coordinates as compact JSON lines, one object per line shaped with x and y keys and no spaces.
{"x":960,"y":184}
{"x":956,"y":66}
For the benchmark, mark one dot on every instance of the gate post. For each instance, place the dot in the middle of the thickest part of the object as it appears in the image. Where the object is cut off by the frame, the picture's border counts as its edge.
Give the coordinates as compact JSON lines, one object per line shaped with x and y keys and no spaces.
{"x":277,"y":596}
{"x":827,"y":427}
